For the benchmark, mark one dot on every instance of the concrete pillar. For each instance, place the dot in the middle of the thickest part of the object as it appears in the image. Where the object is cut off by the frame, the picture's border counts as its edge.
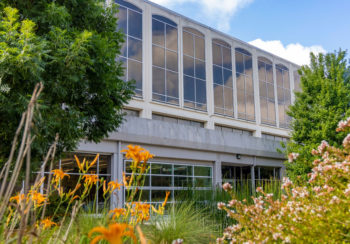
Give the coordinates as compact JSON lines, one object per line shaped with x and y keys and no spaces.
{"x":252,"y":173}
{"x":114,"y":176}
{"x":256,"y":88}
{"x":217,"y":174}
{"x":209,"y":72}
{"x":275,"y":91}
{"x":235,"y":106}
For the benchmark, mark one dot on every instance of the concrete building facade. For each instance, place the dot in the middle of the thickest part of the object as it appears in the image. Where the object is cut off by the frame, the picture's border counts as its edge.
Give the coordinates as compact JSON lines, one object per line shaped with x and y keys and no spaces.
{"x":211,"y":108}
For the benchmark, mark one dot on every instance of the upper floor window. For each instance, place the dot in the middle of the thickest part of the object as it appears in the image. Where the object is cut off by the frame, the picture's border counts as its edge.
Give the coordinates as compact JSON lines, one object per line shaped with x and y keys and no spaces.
{"x":222,"y":77}
{"x":195,"y":95}
{"x":245,"y":87}
{"x":296,"y":75}
{"x":267,"y":91}
{"x":130,"y":22}
{"x":165,"y":60}
{"x":283,"y":94}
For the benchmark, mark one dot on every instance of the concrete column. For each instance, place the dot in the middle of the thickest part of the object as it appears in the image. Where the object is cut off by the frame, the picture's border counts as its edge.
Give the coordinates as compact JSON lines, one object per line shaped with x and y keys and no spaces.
{"x":217,"y":174}
{"x":114,"y":176}
{"x":291,"y":82}
{"x":256,"y":88}
{"x":235,"y":106}
{"x":275,"y":90}
{"x":209,"y":72}
{"x":119,"y":166}
{"x":147,"y":54}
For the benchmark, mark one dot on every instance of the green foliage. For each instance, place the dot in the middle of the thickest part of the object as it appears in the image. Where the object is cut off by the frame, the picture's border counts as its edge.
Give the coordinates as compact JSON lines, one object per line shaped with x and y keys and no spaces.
{"x":183,"y":222}
{"x":71,"y":46}
{"x":323,"y":101}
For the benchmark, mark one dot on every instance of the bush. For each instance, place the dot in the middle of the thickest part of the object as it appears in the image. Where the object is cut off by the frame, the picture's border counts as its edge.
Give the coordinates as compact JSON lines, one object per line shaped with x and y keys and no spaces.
{"x":318,"y":211}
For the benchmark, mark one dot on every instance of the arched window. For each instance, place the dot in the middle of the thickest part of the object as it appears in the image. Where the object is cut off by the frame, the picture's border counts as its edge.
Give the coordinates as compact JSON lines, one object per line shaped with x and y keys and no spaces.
{"x":267,"y":91}
{"x":130,"y":22}
{"x":283,"y":94}
{"x":245,"y":87}
{"x":195,"y":95}
{"x":222,"y":77}
{"x":165,"y":60}
{"x":296,"y":75}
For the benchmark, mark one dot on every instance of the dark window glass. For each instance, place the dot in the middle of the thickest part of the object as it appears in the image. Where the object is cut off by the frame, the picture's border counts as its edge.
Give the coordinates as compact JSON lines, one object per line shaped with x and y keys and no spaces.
{"x":239,"y":63}
{"x":189,"y":88}
{"x":200,"y":69}
{"x":171,"y":38}
{"x":158,"y":56}
{"x":201,"y":91}
{"x":188,"y":66}
{"x":218,"y":79}
{"x":171,"y":60}
{"x":158,"y":30}
{"x":202,"y":171}
{"x":135,"y":49}
{"x":135,"y":24}
{"x":188,"y":44}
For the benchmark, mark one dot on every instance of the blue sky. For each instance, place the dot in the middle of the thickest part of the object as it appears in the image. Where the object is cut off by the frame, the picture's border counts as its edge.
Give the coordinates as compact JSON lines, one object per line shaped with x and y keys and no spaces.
{"x":288,"y":28}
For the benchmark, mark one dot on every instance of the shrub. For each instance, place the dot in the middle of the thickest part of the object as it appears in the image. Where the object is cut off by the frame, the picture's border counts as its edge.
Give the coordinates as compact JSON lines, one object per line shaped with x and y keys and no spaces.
{"x":318,"y":211}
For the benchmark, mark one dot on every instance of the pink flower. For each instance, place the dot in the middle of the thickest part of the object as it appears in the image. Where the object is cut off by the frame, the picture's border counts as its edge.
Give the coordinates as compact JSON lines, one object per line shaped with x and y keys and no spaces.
{"x":323,"y":146}
{"x":221,"y":205}
{"x":227,"y":187}
{"x":292,"y":157}
{"x":346,"y":141}
{"x":286,"y":183}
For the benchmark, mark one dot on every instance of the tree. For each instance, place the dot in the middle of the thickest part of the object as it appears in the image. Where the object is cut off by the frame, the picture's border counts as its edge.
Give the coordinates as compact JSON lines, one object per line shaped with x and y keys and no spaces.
{"x":323,"y":101}
{"x":71,"y":47}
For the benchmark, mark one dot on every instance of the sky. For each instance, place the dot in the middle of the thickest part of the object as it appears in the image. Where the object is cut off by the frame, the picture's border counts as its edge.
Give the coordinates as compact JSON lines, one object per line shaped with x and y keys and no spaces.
{"x":288,"y":28}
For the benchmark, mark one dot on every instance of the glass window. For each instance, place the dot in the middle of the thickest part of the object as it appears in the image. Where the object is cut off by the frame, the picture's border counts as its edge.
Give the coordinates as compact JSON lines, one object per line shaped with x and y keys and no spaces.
{"x":267,"y":96}
{"x":245,"y":87}
{"x":165,"y":60}
{"x":283,"y":94}
{"x":222,"y":76}
{"x":194,"y":70}
{"x":296,"y":75}
{"x":130,"y":23}
{"x":173,"y":177}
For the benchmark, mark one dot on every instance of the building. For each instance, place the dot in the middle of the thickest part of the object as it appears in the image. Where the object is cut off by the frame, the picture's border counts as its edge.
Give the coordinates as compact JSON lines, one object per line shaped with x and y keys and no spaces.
{"x":211,"y":108}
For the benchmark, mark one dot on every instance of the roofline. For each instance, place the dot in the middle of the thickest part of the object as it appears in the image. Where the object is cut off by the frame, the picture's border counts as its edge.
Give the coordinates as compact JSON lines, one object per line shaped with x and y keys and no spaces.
{"x":217,"y":31}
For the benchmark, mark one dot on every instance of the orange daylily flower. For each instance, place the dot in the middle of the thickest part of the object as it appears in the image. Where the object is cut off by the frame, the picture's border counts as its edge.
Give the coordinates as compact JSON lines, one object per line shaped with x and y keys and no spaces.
{"x":114,"y":185}
{"x":125,"y":179}
{"x":47,"y":223}
{"x":70,"y":193}
{"x":19,"y":198}
{"x":114,"y":234}
{"x":80,"y":165}
{"x":141,"y":235}
{"x":117,"y":212}
{"x":141,"y":210}
{"x":75,"y":197}
{"x":90,"y":179}
{"x":37,"y":198}
{"x":133,"y":152}
{"x":58,"y":175}
{"x":161,"y":208}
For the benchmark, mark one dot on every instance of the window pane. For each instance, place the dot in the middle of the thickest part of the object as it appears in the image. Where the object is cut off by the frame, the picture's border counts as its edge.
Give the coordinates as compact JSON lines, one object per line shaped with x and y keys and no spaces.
{"x":279,"y":77}
{"x":158,"y":81}
{"x":239,"y":63}
{"x":171,"y":38}
{"x":124,"y":49}
{"x":164,"y":181}
{"x":183,"y":181}
{"x":162,"y":169}
{"x":189,"y":88}
{"x":228,"y":98}
{"x":188,"y":44}
{"x":217,"y":72}
{"x":286,"y":79}
{"x":135,"y":49}
{"x":172,"y":84}
{"x":217,"y":58}
{"x":248,"y":65}
{"x":201,"y":92}
{"x":218,"y":96}
{"x":135,"y":72}
{"x":263,"y":107}
{"x":241,"y":101}
{"x":200,"y":48}
{"x":200,"y":69}
{"x":227,"y":59}
{"x":158,"y":56}
{"x":262,"y":74}
{"x":171,"y":60}
{"x":271,"y":111}
{"x":240,"y":82}
{"x":135,"y":24}
{"x":280,"y":95}
{"x":262,"y":89}
{"x":270,"y":91}
{"x":202,"y":182}
{"x":287,"y":97}
{"x":158,"y":195}
{"x":183,"y":170}
{"x":158,"y":32}
{"x":249,"y":85}
{"x":202,"y":171}
{"x":228,"y":78}
{"x":124,"y":64}
{"x":269,"y":73}
{"x":122,"y":19}
{"x":250,"y":105}
{"x":188,"y":66}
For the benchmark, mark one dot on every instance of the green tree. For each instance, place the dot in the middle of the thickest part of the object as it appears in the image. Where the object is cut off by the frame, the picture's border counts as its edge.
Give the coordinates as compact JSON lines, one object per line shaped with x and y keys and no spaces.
{"x":322,"y":103}
{"x":71,"y":47}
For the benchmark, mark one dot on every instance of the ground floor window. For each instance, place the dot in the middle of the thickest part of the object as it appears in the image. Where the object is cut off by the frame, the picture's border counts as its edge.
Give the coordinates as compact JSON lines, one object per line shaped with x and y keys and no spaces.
{"x":173,"y":177}
{"x":101,"y":168}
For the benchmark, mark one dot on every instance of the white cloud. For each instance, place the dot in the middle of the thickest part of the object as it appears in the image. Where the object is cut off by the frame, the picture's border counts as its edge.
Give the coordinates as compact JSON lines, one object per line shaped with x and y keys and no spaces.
{"x":294,"y":52}
{"x":217,"y":12}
